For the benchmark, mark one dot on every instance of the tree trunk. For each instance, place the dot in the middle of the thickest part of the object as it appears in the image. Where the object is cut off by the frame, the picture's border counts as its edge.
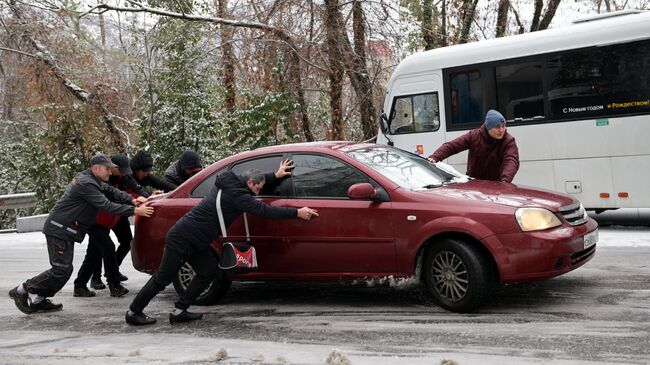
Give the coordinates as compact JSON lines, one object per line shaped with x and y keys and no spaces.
{"x":549,"y":14}
{"x":470,"y":13}
{"x":443,"y":25}
{"x":336,"y":70}
{"x":358,"y":70}
{"x":428,"y":33}
{"x":537,"y":13}
{"x":502,"y":18}
{"x":227,"y":59}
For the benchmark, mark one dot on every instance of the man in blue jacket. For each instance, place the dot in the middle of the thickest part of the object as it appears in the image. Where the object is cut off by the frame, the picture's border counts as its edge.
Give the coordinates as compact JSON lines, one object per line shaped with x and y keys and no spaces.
{"x":67,"y":223}
{"x":190,"y":239}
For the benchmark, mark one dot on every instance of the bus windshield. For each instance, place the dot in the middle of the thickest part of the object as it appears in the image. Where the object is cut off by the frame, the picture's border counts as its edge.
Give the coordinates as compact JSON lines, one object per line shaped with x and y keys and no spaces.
{"x":406,"y":169}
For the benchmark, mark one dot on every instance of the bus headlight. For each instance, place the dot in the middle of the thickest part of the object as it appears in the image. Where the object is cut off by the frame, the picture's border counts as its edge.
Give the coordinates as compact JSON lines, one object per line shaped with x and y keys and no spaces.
{"x":536,"y":219}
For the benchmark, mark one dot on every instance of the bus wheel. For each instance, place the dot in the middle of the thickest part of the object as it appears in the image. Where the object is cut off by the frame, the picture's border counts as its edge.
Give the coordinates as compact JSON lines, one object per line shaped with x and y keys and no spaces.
{"x":457,"y":275}
{"x":215,"y":291}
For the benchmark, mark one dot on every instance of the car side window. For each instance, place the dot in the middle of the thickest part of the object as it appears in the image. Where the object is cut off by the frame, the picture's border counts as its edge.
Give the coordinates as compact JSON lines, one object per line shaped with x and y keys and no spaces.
{"x":204,"y":187}
{"x":265,"y":165}
{"x":324,"y":177}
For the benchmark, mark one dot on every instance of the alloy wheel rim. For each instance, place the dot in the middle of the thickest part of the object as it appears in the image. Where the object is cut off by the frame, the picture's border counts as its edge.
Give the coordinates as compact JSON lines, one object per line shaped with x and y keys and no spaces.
{"x":450,"y":277}
{"x":186,"y":274}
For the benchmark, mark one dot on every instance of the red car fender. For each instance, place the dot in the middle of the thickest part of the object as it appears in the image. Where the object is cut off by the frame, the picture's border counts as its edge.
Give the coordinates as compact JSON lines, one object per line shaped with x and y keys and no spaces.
{"x":453,"y":224}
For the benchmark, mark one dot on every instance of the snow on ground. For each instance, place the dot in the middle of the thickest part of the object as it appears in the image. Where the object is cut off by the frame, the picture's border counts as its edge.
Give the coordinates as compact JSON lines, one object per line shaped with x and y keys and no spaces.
{"x":24,"y":255}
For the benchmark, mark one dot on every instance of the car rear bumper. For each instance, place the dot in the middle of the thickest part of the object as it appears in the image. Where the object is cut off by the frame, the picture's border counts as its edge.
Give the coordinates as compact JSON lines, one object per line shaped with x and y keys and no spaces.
{"x":528,"y":256}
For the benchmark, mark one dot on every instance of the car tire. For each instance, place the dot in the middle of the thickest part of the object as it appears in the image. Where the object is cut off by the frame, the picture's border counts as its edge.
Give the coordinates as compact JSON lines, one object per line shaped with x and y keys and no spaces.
{"x":217,"y":289}
{"x":457,"y":275}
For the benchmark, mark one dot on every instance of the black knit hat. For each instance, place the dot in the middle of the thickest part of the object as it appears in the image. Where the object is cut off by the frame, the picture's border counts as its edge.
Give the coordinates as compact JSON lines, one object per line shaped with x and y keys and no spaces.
{"x":142,"y":161}
{"x":190,"y":160}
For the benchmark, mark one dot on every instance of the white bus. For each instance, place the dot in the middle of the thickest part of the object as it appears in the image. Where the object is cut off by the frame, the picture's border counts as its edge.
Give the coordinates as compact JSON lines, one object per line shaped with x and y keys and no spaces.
{"x":577,"y":99}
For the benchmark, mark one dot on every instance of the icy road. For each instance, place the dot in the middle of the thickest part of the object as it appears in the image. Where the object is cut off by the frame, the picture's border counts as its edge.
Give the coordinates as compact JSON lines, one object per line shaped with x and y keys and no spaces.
{"x":598,"y":314}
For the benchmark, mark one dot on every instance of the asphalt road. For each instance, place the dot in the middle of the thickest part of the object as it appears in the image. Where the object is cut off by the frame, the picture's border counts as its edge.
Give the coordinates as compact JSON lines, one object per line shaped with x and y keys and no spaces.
{"x":598,"y":314}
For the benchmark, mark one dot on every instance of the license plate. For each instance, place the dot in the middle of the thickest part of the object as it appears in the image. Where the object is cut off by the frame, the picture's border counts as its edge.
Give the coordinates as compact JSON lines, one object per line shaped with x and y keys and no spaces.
{"x":591,"y":238}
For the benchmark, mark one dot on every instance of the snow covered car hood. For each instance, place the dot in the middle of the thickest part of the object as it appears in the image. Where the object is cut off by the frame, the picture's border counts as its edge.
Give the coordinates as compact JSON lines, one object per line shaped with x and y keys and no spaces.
{"x":503,"y":193}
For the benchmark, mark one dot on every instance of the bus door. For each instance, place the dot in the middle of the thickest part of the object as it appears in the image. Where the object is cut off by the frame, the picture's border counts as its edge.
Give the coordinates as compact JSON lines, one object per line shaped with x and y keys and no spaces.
{"x":415,"y":122}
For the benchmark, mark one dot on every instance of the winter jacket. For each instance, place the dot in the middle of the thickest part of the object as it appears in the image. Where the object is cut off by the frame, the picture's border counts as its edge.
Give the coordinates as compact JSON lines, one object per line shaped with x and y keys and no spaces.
{"x":488,"y":158}
{"x":200,"y":226}
{"x":77,"y":209}
{"x":124,"y":183}
{"x":142,"y":161}
{"x":175,"y":173}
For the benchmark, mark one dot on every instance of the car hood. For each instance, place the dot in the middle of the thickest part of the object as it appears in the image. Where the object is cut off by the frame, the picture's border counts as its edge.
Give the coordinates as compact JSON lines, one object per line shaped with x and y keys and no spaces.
{"x":504,"y":194}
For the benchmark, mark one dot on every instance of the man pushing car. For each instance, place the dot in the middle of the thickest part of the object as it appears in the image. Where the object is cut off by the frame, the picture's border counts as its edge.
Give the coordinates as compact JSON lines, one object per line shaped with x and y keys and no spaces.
{"x":191,"y":237}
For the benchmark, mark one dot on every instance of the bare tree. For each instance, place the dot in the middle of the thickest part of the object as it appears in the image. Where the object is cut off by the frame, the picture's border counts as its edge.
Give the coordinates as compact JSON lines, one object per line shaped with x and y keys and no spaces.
{"x":336,"y":70}
{"x":93,"y":99}
{"x":469,"y":13}
{"x":227,"y":58}
{"x":502,"y":18}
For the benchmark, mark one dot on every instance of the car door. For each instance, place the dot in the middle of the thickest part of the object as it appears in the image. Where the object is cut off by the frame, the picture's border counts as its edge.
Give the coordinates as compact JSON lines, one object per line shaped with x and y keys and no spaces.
{"x":348,"y":236}
{"x":267,"y":235}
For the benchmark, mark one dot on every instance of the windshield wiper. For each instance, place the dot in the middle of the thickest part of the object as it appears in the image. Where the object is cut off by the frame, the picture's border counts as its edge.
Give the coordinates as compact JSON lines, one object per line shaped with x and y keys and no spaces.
{"x":431,"y":186}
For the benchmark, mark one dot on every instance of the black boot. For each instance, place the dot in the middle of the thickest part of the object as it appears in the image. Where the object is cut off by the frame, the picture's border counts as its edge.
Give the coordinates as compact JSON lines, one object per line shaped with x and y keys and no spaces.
{"x":138,"y":318}
{"x":83,"y":292}
{"x":22,"y":301}
{"x":184,"y":316}
{"x":96,"y":283}
{"x":46,"y":305}
{"x":117,"y":290}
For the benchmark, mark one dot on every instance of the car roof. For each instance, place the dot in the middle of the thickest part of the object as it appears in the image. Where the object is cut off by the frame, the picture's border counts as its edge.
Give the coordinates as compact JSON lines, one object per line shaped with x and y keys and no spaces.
{"x":303,"y":146}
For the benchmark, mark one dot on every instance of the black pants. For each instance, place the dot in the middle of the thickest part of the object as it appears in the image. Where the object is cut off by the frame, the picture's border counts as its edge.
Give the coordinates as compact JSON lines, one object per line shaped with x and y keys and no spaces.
{"x":50,"y":281}
{"x":100,"y":247}
{"x":124,"y":236}
{"x":203,"y":262}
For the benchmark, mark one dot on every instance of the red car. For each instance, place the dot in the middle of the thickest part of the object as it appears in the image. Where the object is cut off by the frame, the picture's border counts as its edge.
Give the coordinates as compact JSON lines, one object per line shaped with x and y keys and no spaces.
{"x":382,"y":212}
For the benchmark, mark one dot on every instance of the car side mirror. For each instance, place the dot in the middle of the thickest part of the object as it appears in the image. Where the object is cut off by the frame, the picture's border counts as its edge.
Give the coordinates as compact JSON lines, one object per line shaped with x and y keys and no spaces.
{"x":383,"y":123}
{"x":362,"y":191}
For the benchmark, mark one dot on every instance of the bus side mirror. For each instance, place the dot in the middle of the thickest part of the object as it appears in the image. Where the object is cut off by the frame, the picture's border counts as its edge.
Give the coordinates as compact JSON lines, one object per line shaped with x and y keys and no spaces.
{"x":383,"y":123}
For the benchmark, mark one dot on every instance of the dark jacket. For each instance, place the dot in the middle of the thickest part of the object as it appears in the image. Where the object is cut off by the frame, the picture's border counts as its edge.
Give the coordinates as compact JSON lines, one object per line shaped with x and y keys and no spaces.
{"x":200,"y":226}
{"x":142,"y":161}
{"x":488,"y":158}
{"x":125,"y":183}
{"x":175,"y":173}
{"x":77,"y":209}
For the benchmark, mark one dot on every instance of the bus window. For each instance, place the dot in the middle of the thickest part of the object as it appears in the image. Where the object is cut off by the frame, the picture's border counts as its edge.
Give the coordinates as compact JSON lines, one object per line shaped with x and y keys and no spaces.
{"x":415,"y":113}
{"x":466,"y":97}
{"x":598,"y":82}
{"x":520,"y":92}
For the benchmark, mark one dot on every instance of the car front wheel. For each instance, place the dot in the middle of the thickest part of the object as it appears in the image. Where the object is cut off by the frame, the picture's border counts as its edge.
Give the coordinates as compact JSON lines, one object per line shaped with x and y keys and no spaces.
{"x":457,"y":276}
{"x":215,"y":291}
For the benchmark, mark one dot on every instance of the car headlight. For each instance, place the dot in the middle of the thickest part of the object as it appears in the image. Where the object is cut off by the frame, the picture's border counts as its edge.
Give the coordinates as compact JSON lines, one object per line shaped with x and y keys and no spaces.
{"x":535,"y":219}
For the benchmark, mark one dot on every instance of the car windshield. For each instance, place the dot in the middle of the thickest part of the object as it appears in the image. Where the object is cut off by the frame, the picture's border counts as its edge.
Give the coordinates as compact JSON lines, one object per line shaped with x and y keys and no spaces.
{"x":406,"y":169}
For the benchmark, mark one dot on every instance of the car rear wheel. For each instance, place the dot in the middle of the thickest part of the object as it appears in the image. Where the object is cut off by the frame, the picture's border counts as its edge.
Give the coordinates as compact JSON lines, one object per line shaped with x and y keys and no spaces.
{"x":457,"y":275}
{"x":217,"y":289}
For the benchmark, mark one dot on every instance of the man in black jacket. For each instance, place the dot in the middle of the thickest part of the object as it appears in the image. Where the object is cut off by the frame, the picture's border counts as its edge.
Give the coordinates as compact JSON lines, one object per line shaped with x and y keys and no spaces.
{"x":67,"y":223}
{"x":185,"y":167}
{"x":100,"y":245}
{"x":141,"y":164}
{"x":190,"y":239}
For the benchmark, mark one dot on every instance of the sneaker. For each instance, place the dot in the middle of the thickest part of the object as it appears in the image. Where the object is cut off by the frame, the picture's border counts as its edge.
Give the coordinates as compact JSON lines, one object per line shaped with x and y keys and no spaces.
{"x":138,"y":318}
{"x":123,"y":277}
{"x":117,"y":290}
{"x":184,"y":316}
{"x":83,"y":292}
{"x":22,"y":301}
{"x":46,"y":305}
{"x":97,"y":284}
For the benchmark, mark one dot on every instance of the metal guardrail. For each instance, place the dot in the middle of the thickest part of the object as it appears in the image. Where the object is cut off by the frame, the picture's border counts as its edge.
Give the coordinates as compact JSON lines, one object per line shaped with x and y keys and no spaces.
{"x":18,"y":201}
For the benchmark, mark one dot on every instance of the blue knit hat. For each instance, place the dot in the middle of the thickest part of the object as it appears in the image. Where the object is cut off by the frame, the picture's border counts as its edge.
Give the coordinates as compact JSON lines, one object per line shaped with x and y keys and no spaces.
{"x":493,"y":118}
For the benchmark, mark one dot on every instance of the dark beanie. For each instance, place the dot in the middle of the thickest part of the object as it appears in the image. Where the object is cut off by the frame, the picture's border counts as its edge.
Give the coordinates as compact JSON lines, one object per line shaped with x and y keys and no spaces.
{"x":142,"y":161}
{"x":493,"y":118}
{"x":189,"y":159}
